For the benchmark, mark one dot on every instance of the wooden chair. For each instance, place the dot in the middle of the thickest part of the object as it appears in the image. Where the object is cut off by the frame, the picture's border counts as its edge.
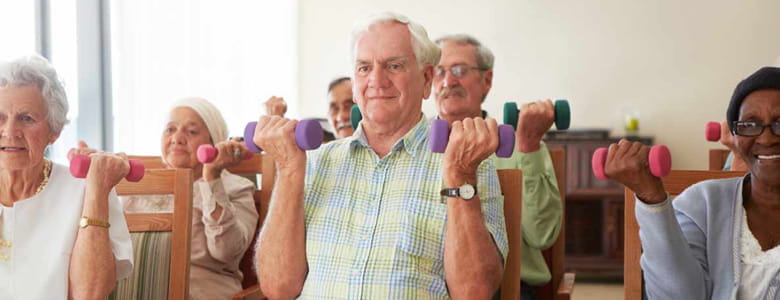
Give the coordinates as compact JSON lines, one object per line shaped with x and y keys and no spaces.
{"x":259,"y":164}
{"x":718,"y":159}
{"x":675,"y":183}
{"x":562,"y":284}
{"x":155,"y":236}
{"x":511,"y":181}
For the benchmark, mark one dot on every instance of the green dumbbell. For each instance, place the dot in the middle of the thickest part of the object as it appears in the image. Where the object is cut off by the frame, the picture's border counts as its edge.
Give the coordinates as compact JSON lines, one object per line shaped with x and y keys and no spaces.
{"x":562,"y":114}
{"x":355,"y":116}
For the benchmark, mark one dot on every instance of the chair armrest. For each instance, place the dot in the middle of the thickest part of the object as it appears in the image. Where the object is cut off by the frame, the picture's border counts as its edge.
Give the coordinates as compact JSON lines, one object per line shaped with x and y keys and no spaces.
{"x":566,"y":287}
{"x":250,"y":293}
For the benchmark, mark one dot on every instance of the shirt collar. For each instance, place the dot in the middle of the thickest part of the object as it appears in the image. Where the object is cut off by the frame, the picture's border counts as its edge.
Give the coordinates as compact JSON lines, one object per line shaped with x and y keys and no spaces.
{"x":412,"y":142}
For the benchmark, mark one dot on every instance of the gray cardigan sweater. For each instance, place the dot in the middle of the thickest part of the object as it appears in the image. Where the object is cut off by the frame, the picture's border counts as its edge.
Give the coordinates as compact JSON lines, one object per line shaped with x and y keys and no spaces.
{"x":692,"y":245}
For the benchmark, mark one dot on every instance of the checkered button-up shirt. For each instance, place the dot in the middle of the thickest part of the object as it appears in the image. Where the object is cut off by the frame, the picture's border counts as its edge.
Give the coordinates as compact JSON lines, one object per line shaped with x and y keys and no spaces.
{"x":375,"y":227}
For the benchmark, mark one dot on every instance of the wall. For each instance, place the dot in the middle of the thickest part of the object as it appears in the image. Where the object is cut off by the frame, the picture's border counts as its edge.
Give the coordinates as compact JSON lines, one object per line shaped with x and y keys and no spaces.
{"x":675,"y":63}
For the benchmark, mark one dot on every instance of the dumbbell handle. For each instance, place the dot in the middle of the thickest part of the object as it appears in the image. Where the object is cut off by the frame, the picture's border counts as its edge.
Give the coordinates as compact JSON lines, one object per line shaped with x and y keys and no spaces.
{"x":659,"y":158}
{"x":79,"y":167}
{"x":440,"y":137}
{"x":712,"y":131}
{"x":207,"y":153}
{"x":308,"y":135}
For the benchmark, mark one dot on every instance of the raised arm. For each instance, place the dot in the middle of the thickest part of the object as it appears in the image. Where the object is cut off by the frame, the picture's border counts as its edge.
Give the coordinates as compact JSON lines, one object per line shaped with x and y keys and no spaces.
{"x":92,"y":273}
{"x":472,"y":262}
{"x":674,"y":248}
{"x":542,"y":207}
{"x":229,"y":214}
{"x":281,"y":245}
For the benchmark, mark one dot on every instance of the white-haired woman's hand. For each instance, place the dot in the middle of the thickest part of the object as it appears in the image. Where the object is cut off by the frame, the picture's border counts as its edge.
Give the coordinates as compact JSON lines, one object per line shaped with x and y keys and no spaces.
{"x":106,"y":170}
{"x":229,"y":153}
{"x":81,"y":148}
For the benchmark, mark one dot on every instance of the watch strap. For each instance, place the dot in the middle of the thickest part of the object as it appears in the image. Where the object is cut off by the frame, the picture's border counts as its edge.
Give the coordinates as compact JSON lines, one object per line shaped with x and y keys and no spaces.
{"x":450,"y":192}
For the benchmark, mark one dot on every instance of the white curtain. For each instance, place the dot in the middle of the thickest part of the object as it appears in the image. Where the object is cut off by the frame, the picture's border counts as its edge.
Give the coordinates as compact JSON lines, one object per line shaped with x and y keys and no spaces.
{"x":234,"y":53}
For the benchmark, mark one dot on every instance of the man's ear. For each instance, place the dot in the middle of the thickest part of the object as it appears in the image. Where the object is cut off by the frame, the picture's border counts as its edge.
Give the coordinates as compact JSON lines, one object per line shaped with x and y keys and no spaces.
{"x":488,"y":78}
{"x":428,"y":85}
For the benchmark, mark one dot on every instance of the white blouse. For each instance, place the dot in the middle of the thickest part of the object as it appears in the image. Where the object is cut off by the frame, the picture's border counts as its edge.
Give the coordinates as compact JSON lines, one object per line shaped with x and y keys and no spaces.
{"x":42,"y":230}
{"x":758,"y":266}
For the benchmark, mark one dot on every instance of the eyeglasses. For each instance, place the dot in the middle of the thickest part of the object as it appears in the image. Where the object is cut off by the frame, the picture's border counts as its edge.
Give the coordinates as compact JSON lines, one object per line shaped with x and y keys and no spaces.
{"x":753,"y":128}
{"x":457,"y":71}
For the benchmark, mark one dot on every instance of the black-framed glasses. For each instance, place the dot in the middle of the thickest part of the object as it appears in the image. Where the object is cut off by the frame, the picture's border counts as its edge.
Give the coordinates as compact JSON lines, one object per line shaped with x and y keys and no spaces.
{"x":457,"y":71}
{"x":753,"y":128}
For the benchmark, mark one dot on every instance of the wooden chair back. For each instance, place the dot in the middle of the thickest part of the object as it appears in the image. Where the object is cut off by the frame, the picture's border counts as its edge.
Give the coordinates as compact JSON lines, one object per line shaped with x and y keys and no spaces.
{"x":258,"y":164}
{"x":675,"y":183}
{"x":263,"y":165}
{"x":511,"y":181}
{"x":561,"y":285}
{"x":179,"y":223}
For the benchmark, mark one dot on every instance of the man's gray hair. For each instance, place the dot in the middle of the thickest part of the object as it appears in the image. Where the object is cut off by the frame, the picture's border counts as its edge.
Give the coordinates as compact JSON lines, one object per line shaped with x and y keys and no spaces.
{"x":36,"y":71}
{"x":426,"y":52}
{"x":485,"y":57}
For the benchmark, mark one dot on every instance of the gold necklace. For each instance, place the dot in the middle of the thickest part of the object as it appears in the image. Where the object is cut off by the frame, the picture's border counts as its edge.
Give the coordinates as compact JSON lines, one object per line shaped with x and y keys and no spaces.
{"x":46,"y":171}
{"x":7,"y":244}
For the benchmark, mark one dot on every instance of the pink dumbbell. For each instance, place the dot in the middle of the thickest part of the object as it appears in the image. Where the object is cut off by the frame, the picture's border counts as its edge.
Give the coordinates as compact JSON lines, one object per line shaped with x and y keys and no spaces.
{"x":207,"y":153}
{"x":659,"y":158}
{"x":712,"y":131}
{"x":79,"y":166}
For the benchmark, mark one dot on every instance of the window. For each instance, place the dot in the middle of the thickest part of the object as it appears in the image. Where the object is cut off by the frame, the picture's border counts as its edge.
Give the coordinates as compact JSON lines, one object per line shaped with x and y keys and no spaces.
{"x":236,"y":54}
{"x":62,"y":22}
{"x":17,"y":18}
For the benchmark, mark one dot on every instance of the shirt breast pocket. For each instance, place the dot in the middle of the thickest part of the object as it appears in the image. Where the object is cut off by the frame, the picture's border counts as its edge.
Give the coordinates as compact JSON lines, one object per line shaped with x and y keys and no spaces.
{"x":422,"y":229}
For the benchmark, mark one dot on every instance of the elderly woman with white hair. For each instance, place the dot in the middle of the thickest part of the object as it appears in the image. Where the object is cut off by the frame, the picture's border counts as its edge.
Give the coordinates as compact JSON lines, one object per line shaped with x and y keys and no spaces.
{"x":60,"y":237}
{"x":224,"y":217}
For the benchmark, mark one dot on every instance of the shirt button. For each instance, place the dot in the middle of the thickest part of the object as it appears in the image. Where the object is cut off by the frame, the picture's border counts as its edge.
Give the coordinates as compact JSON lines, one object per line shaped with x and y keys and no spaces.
{"x":355,"y":273}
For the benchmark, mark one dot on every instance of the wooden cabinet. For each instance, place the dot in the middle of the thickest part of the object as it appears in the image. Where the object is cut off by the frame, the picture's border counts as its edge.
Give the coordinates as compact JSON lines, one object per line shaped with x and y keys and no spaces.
{"x":594,"y":210}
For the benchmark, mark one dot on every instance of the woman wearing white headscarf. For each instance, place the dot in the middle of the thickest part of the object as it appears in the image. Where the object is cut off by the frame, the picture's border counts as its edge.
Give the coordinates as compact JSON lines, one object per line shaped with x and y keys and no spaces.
{"x":60,"y":237}
{"x":224,"y":217}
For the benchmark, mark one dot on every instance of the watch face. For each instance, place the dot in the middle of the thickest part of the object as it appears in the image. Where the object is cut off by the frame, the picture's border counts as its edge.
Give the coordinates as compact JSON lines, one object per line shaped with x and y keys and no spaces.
{"x":466,"y":191}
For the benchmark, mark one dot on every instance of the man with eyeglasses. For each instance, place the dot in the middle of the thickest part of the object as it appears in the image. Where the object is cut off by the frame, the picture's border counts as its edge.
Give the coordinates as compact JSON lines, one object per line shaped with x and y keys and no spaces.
{"x":461,"y":82}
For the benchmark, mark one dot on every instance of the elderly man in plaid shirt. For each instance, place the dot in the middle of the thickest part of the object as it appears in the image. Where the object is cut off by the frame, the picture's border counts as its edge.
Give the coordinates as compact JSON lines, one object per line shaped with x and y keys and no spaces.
{"x":363,"y":217}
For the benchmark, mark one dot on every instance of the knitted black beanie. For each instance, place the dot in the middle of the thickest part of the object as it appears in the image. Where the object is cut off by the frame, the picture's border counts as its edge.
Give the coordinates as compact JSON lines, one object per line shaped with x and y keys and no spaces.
{"x":764,"y":78}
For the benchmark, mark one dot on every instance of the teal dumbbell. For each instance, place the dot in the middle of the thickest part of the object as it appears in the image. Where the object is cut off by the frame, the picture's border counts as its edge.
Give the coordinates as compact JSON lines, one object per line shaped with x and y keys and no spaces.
{"x":562,"y":114}
{"x":355,"y":116}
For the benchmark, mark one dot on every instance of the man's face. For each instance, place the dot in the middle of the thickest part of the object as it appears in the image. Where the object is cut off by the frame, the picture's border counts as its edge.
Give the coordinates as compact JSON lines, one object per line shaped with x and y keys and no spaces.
{"x":340,"y":104}
{"x":460,"y":97}
{"x":389,"y":86}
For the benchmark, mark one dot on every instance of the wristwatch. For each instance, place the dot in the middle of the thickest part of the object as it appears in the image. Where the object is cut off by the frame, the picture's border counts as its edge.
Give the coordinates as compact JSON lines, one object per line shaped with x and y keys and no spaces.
{"x":84,"y":222}
{"x":465,"y":192}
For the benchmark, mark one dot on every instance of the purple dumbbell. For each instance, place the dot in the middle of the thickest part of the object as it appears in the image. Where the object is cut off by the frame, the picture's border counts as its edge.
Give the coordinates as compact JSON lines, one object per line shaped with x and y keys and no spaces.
{"x":308,"y":135}
{"x":440,"y":136}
